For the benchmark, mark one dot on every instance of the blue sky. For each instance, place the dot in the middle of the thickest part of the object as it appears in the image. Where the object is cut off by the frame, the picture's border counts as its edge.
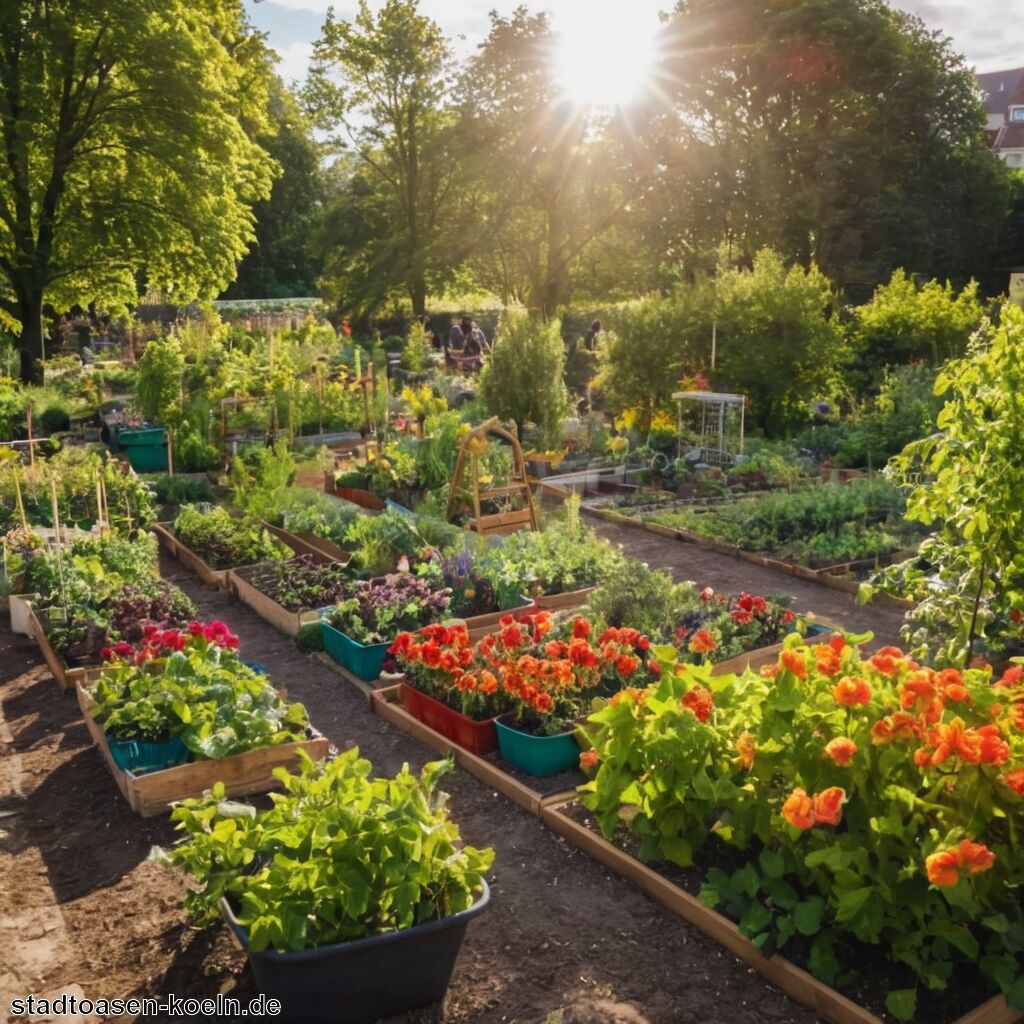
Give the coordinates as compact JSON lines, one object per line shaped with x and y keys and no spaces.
{"x":983,"y":30}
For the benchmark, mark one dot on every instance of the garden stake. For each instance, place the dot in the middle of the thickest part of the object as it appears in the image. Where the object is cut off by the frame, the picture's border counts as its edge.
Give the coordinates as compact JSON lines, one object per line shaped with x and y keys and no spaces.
{"x":21,"y":504}
{"x":60,"y":558}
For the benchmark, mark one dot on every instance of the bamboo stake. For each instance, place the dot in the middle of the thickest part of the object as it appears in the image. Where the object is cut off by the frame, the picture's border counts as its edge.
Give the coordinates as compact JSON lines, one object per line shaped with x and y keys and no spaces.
{"x":60,"y":557}
{"x":21,"y":504}
{"x":31,"y":442}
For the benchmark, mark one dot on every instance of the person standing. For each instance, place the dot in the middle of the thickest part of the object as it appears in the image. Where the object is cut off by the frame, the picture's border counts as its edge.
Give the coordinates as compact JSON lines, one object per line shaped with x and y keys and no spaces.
{"x":590,"y":338}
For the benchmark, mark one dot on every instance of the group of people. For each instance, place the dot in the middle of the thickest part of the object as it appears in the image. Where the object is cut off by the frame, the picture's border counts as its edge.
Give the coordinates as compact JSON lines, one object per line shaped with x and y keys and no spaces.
{"x":466,"y":344}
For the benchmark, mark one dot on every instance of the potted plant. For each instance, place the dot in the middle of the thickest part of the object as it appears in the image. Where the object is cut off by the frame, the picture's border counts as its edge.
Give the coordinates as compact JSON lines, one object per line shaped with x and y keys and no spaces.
{"x":351,"y":895}
{"x":359,"y":629}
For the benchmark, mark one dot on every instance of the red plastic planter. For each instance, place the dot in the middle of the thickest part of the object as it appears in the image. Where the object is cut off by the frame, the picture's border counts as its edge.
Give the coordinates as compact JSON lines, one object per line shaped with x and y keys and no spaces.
{"x":476,"y":737}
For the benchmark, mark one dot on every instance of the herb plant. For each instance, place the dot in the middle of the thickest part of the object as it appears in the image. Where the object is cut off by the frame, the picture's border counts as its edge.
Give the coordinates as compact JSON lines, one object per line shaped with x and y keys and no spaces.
{"x":224,"y":542}
{"x":375,"y":611}
{"x":340,"y":856}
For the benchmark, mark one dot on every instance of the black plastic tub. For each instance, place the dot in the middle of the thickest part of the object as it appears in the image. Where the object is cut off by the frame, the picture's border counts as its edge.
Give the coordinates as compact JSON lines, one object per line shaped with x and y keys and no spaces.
{"x":364,"y":980}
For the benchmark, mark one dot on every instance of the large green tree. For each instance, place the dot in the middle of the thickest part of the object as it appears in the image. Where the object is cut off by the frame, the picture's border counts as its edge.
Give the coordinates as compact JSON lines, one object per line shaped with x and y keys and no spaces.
{"x":282,"y":262}
{"x":127,"y":146}
{"x":378,"y":83}
{"x":837,"y":131}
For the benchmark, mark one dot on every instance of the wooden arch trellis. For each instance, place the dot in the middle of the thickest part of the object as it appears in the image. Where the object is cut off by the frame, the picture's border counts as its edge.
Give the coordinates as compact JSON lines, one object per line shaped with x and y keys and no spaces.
{"x":474,"y":444}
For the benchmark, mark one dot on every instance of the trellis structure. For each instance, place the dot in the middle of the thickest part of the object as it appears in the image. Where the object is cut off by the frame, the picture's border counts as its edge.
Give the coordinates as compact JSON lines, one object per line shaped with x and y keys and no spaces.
{"x":721,"y":437}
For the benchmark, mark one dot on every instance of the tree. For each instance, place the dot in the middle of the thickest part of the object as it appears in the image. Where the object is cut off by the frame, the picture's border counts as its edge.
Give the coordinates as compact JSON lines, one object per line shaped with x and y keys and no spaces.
{"x":549,"y":183}
{"x":907,"y":322}
{"x":522,"y":380}
{"x":127,"y":135}
{"x":395,"y":212}
{"x":839,"y":132}
{"x":282,"y":263}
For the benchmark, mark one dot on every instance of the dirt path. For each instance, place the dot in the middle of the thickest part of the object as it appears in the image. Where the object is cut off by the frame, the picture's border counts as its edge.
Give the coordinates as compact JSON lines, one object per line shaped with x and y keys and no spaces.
{"x":564,"y":942}
{"x":731,"y":575}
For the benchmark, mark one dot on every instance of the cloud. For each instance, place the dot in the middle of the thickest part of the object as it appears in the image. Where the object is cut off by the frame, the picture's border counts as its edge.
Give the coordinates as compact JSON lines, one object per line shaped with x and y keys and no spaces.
{"x":294,"y":63}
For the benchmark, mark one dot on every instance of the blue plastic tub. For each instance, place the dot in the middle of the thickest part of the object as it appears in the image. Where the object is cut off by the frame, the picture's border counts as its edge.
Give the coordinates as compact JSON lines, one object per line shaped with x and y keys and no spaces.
{"x":139,"y":758}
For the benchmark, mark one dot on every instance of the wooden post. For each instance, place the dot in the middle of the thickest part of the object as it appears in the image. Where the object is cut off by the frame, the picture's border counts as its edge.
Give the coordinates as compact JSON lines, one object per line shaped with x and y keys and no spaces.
{"x":31,"y":442}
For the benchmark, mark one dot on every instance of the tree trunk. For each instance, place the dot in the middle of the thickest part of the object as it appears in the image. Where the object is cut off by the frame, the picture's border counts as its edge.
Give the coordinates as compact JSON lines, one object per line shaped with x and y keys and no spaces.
{"x":30,"y":313}
{"x":418,"y":295}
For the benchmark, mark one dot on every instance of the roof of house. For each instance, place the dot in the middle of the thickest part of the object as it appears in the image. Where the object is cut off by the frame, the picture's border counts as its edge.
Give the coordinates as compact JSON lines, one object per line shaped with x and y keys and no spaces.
{"x":1011,"y":136}
{"x":1001,"y":88}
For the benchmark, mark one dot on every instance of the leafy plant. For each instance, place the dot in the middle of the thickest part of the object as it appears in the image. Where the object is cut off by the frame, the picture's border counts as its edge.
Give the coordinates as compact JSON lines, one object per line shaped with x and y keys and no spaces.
{"x":302,"y":583}
{"x":379,"y":542}
{"x":340,"y":856}
{"x":375,"y":611}
{"x":224,"y":542}
{"x":191,"y":684}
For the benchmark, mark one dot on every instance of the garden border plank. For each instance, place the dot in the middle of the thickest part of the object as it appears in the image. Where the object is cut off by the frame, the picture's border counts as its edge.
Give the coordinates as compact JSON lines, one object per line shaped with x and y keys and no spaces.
{"x":245,"y":774}
{"x":796,"y":982}
{"x":386,"y":704}
{"x":308,"y":543}
{"x":267,"y":608}
{"x":174,"y":547}
{"x":65,"y":676}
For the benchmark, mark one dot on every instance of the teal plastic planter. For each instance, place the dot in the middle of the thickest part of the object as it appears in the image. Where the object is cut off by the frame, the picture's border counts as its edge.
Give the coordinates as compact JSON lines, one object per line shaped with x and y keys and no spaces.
{"x":138,"y":758}
{"x":536,"y":755}
{"x":363,"y":660}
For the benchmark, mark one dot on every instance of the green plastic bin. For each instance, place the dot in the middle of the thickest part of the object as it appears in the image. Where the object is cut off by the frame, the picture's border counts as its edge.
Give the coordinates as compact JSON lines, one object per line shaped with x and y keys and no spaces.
{"x":146,"y":448}
{"x":363,"y":660}
{"x":537,"y":755}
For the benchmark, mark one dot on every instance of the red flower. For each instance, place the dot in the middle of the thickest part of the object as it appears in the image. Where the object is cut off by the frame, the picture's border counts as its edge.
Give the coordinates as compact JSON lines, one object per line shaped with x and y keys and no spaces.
{"x":698,"y":700}
{"x":1015,"y":780}
{"x":626,"y":665}
{"x":589,"y":759}
{"x":581,"y":628}
{"x":703,"y":642}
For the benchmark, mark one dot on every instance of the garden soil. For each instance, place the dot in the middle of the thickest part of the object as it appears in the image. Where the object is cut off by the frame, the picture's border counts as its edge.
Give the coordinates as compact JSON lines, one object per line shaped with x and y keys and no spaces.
{"x":83,"y":909}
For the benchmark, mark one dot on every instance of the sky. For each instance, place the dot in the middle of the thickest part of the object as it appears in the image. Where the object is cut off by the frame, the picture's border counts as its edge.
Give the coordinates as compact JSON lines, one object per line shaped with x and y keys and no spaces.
{"x":983,"y":30}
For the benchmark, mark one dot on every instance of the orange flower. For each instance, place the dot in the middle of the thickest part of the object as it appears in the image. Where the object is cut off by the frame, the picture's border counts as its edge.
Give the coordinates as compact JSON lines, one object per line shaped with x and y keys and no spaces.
{"x":887,"y":663}
{"x":746,"y":749}
{"x":994,"y":749}
{"x":793,"y":661}
{"x":954,"y":740}
{"x":850,"y":692}
{"x":769,"y":671}
{"x":703,"y":642}
{"x":841,"y":750}
{"x":699,"y":701}
{"x":837,"y":642}
{"x":798,"y":809}
{"x":580,"y":628}
{"x":828,"y":806}
{"x":943,"y":868}
{"x":976,"y":857}
{"x":917,"y":690}
{"x":626,"y":665}
{"x":898,"y":726}
{"x":1015,"y":780}
{"x":589,"y":758}
{"x":543,"y":703}
{"x":826,"y":660}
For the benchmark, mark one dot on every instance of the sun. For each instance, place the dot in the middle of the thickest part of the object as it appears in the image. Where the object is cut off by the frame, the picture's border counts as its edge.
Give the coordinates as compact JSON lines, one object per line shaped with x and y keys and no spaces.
{"x":605,"y":60}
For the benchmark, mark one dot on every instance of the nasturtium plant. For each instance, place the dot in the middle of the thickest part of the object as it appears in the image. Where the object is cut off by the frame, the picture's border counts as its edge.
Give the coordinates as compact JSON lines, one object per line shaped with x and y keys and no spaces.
{"x":341,"y":855}
{"x":873,"y":800}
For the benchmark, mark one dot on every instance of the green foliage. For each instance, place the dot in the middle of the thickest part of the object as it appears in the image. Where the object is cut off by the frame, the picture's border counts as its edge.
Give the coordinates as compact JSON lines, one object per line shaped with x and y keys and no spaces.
{"x":822,"y":525}
{"x":260,"y":482}
{"x":906,"y":322}
{"x":777,"y":343}
{"x":130,"y":148}
{"x":203,"y":694}
{"x":158,"y":391}
{"x":633,"y":595}
{"x":181,"y":490}
{"x":310,"y":638}
{"x":378,"y":542}
{"x":416,"y":351}
{"x":224,"y":542}
{"x":340,"y":856}
{"x":522,"y":378}
{"x":967,"y":484}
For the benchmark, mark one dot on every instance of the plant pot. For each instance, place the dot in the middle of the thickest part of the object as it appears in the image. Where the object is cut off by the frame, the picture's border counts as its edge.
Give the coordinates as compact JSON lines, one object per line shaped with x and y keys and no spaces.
{"x":139,"y":757}
{"x":476,"y":737}
{"x":536,"y":755}
{"x":363,"y":660}
{"x":363,"y":980}
{"x":21,"y":610}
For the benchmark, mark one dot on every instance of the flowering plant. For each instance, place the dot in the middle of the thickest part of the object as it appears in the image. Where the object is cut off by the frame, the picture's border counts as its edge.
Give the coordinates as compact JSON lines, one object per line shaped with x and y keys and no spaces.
{"x":376,"y":610}
{"x":721,"y":627}
{"x":191,"y":683}
{"x":878,"y":801}
{"x":540,"y":669}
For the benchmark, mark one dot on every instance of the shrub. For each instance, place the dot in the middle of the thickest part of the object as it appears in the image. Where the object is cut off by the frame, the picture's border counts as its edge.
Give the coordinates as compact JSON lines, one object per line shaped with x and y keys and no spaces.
{"x":158,"y":390}
{"x":522,"y":379}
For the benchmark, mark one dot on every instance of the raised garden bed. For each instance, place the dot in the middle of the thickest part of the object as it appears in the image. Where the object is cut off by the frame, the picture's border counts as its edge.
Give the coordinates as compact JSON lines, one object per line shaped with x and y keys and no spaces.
{"x":66,"y":675}
{"x":829,"y":1004}
{"x":244,"y":774}
{"x":560,"y":602}
{"x":530,"y":793}
{"x":174,"y":547}
{"x":244,"y":584}
{"x":303,"y":543}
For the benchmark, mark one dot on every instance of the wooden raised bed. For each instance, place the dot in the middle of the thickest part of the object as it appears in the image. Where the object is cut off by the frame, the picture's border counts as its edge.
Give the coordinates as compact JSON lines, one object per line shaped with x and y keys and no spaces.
{"x":799,"y":984}
{"x":364,"y":499}
{"x":559,"y":602}
{"x":242,"y":774}
{"x":308,"y":543}
{"x":266,"y":607}
{"x":174,"y":547}
{"x":387,"y":704}
{"x":66,"y":676}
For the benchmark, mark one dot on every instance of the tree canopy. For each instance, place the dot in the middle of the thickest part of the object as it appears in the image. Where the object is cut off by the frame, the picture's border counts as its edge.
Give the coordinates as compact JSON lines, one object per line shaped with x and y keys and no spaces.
{"x":128,"y":139}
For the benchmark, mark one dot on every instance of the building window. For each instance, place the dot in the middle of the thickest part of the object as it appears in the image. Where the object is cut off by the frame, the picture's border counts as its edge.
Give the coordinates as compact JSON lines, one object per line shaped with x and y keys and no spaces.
{"x":1017,"y":115}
